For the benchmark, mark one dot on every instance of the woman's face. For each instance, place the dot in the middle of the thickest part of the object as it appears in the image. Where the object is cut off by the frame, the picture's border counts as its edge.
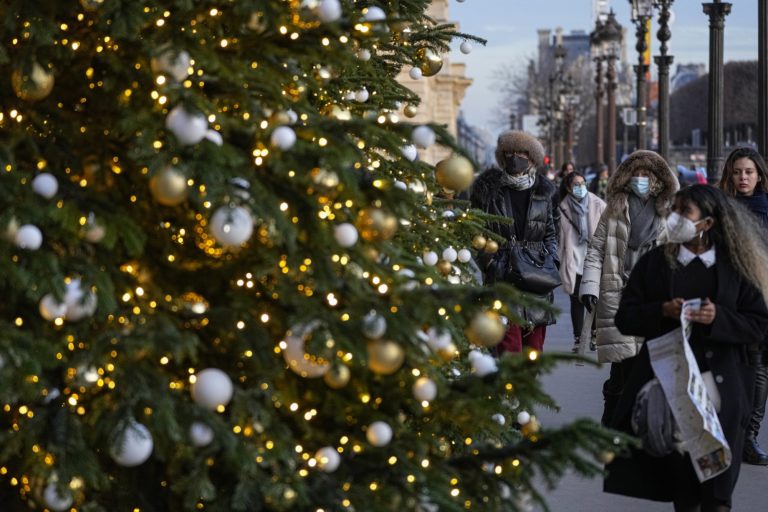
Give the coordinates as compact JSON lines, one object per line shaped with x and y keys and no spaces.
{"x":745,"y":176}
{"x":577,"y":181}
{"x":692,"y":211}
{"x":641,"y":173}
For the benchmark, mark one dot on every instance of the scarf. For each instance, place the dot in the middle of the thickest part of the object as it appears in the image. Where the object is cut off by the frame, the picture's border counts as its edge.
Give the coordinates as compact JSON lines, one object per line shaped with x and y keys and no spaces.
{"x":757,"y":204}
{"x":579,"y":210}
{"x":522,"y":181}
{"x":644,"y":223}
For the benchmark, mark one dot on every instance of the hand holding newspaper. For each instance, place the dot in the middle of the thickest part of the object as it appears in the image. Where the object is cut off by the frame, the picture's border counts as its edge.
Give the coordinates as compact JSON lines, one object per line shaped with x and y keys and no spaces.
{"x":692,"y":404}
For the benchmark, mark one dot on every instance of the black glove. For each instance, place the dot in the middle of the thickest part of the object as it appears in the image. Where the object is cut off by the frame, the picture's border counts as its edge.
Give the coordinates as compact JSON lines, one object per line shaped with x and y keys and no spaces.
{"x":589,"y":302}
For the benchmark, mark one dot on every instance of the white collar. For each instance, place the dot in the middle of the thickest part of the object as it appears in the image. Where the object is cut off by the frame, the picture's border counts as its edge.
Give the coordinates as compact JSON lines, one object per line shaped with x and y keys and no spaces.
{"x":685,"y":256}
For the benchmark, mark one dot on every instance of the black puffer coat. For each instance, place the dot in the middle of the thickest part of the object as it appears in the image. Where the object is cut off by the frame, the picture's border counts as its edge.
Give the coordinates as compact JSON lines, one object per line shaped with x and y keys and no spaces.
{"x":488,"y":194}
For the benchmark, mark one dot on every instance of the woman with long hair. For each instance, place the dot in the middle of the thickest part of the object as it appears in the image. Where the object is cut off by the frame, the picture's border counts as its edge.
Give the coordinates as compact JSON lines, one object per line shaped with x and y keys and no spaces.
{"x":715,"y":254}
{"x":745,"y":177}
{"x":580,"y":212}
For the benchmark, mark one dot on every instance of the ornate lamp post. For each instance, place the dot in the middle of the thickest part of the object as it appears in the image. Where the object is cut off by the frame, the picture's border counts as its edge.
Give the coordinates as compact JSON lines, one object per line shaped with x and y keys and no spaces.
{"x":663,"y":62}
{"x":642,"y":10}
{"x":596,"y":49}
{"x":717,"y":11}
{"x":554,"y":108}
{"x":612,"y":36}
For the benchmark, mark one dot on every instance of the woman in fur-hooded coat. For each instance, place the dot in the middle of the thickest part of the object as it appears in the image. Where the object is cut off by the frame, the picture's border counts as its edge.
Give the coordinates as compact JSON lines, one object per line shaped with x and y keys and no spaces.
{"x":631,"y":226}
{"x":515,"y":190}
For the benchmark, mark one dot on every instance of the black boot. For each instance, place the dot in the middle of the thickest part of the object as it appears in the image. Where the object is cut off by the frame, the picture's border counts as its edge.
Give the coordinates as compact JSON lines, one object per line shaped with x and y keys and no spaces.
{"x":576,"y":343}
{"x":753,"y":454}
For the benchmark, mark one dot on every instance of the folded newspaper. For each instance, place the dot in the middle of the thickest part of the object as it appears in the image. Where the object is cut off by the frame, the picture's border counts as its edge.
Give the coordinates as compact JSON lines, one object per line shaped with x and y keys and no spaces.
{"x":692,"y":404}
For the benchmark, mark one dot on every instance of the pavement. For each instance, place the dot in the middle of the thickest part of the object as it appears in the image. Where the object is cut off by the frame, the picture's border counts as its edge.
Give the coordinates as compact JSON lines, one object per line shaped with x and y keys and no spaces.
{"x":577,"y":390}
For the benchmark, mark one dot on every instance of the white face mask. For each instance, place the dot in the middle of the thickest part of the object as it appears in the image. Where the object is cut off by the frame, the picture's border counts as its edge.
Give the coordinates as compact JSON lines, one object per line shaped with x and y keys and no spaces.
{"x":579,"y":191}
{"x":681,"y":229}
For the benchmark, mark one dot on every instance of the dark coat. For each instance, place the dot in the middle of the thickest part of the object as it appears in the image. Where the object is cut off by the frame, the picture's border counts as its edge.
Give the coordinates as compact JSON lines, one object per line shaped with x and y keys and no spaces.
{"x":741,"y":318}
{"x":489,"y":195}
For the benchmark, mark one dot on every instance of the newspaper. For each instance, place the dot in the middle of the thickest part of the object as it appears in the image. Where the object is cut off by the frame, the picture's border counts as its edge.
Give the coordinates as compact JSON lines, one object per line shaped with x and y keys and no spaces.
{"x":691,"y":402}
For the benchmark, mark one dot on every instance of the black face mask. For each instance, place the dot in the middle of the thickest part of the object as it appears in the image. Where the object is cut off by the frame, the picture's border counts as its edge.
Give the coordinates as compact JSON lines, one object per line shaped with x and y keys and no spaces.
{"x":516,"y":164}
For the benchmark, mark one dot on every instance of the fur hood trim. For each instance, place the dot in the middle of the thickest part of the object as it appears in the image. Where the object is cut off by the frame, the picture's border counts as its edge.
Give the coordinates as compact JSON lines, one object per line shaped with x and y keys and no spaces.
{"x":487,"y":187}
{"x":513,"y":140}
{"x":666,"y":181}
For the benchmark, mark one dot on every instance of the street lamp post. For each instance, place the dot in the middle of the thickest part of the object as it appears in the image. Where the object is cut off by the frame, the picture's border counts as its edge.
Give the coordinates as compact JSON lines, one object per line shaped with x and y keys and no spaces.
{"x":642,"y":10}
{"x":612,"y":35}
{"x":762,"y":76}
{"x":596,"y":48}
{"x":663,"y":62}
{"x":554,"y":147}
{"x":717,"y":11}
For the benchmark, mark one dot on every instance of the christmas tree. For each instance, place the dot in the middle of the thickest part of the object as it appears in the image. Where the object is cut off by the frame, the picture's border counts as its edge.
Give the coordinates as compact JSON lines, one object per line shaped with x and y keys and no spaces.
{"x":229,"y":282}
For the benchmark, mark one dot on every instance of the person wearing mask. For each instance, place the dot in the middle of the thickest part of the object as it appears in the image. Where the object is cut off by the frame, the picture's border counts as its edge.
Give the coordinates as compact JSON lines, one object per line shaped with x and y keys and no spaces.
{"x":639,"y":193}
{"x":714,"y":253}
{"x":599,"y":185}
{"x":516,"y":191}
{"x":745,"y":177}
{"x":580,"y":213}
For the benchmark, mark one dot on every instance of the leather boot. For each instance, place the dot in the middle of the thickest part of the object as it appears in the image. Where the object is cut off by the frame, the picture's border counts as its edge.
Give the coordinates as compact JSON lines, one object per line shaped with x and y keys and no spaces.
{"x":753,"y":454}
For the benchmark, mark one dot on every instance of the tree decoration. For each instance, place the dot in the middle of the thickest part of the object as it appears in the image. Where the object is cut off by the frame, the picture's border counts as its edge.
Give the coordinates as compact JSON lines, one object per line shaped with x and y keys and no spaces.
{"x":410,"y":111}
{"x":466,"y":47}
{"x":29,"y":237}
{"x":189,"y":128}
{"x":57,"y":500}
{"x":491,"y":247}
{"x":374,"y":325}
{"x":376,"y":224}
{"x":295,"y":354}
{"x":379,"y":433}
{"x":328,"y":459}
{"x":464,"y":255}
{"x":345,"y":234}
{"x":169,"y":186}
{"x":424,"y":389}
{"x":429,"y":61}
{"x":46,"y":185}
{"x":455,"y":173}
{"x":337,"y":376}
{"x":133,"y":445}
{"x":283,"y":137}
{"x":486,"y":329}
{"x":385,"y":357}
{"x":423,"y":136}
{"x":175,"y":64}
{"x":200,"y":434}
{"x":231,"y":226}
{"x":212,"y":389}
{"x":33,"y":84}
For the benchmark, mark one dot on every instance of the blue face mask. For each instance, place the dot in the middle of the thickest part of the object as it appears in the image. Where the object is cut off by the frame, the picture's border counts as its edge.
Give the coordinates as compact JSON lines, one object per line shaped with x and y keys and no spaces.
{"x":640,"y":185}
{"x":579,"y":191}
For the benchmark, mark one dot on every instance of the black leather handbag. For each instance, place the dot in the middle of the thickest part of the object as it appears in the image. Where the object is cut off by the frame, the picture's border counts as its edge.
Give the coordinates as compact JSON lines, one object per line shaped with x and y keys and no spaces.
{"x":531,"y":267}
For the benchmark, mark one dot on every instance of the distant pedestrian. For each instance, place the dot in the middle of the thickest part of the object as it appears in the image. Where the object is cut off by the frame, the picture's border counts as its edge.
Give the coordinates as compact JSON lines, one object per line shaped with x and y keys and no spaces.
{"x":639,"y":193}
{"x":715,"y":253}
{"x":599,"y":185}
{"x":580,"y":213}
{"x":745,"y":177}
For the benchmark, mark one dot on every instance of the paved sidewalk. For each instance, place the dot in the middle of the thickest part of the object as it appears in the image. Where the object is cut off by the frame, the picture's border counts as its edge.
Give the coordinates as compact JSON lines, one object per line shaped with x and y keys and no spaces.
{"x":577,"y":389}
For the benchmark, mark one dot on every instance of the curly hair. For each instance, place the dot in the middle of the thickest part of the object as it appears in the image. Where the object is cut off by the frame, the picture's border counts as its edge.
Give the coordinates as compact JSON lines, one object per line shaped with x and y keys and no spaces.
{"x":726,"y":180}
{"x":735,"y":233}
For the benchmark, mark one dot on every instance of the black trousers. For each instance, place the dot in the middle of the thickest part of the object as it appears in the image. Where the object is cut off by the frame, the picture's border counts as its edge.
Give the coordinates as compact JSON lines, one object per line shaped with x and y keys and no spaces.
{"x":577,"y":310}
{"x":760,"y":396}
{"x":613,"y":388}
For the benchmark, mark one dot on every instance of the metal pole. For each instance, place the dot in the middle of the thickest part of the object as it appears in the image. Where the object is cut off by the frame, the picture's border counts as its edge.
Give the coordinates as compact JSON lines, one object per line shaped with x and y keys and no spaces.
{"x":599,"y":111}
{"x":762,"y":76}
{"x":641,"y":69}
{"x":552,"y":120}
{"x":611,"y":77}
{"x":663,"y":62}
{"x":717,"y":12}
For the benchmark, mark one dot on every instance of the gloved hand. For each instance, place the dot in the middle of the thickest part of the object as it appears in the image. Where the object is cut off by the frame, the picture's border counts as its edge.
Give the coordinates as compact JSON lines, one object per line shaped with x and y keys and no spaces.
{"x":589,"y":302}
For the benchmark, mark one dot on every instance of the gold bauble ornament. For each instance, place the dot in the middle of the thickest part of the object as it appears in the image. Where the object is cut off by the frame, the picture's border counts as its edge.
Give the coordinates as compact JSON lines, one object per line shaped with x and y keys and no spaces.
{"x":410,"y":111}
{"x":96,"y":175}
{"x":444,"y":267}
{"x":606,"y":457}
{"x":338,"y":376}
{"x":455,"y":173}
{"x":429,"y":61}
{"x":486,"y":329}
{"x":385,"y":357}
{"x":33,"y":85}
{"x":169,"y":186}
{"x":531,"y":428}
{"x":492,"y":247}
{"x":401,"y":31}
{"x":448,"y":353}
{"x":280,"y":117}
{"x":91,"y":5}
{"x":479,"y":242}
{"x":376,"y":224}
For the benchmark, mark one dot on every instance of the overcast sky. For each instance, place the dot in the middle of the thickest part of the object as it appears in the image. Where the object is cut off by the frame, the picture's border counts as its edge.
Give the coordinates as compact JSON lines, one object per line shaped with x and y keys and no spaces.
{"x":510,"y":28}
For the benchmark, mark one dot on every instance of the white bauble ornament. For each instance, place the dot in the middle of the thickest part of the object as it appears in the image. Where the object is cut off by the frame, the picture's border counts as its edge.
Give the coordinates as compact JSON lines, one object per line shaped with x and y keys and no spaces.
{"x":350,"y":96}
{"x":401,"y":185}
{"x":345,"y":234}
{"x":134,"y":446}
{"x":410,"y":152}
{"x":415,"y":73}
{"x":46,"y":185}
{"x":499,"y":418}
{"x":364,"y":54}
{"x":172,"y":63}
{"x":379,"y":434}
{"x":29,"y":237}
{"x":292,"y":116}
{"x":231,"y":226}
{"x":51,"y":309}
{"x":80,"y":303}
{"x":523,"y":417}
{"x":438,"y":339}
{"x":464,"y":255}
{"x":215,"y":137}
{"x":329,"y":10}
{"x":374,"y":325}
{"x":212,"y":388}
{"x":296,"y":356}
{"x":328,"y":459}
{"x":283,"y":137}
{"x":188,"y":128}
{"x":55,"y":501}
{"x":94,"y":230}
{"x":374,"y":13}
{"x":483,"y":364}
{"x":430,"y":258}
{"x":200,"y":434}
{"x":424,"y":389}
{"x":466,"y":47}
{"x":362,"y":95}
{"x":448,"y":214}
{"x":450,"y":255}
{"x":423,"y":136}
